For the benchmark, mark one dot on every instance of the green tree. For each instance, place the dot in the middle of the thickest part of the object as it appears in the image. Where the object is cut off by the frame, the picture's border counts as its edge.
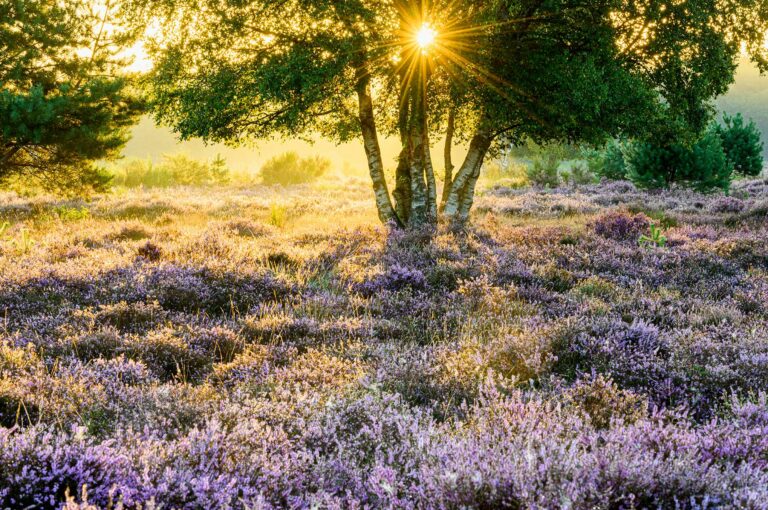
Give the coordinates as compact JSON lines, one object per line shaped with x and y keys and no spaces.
{"x":742,"y":145}
{"x":63,"y":103}
{"x":702,"y":166}
{"x":610,"y":161}
{"x":219,"y":170}
{"x":481,"y":73}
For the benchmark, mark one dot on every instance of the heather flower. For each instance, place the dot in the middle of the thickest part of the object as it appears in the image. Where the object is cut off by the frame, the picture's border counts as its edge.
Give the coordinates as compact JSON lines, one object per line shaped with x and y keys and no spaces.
{"x":395,"y":278}
{"x":727,"y":205}
{"x":622,"y":226}
{"x":535,"y":365}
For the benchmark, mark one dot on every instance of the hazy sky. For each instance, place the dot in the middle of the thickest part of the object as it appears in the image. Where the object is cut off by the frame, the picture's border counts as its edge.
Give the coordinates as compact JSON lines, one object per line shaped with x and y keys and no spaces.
{"x":749,"y":95}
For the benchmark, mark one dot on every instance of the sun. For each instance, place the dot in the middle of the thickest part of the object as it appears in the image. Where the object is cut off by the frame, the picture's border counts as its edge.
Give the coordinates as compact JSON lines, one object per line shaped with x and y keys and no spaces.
{"x":426,"y":36}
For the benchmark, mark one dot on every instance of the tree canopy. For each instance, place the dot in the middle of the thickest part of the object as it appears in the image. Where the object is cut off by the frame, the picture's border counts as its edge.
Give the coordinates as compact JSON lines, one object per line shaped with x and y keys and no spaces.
{"x":480,"y":73}
{"x":63,"y":101}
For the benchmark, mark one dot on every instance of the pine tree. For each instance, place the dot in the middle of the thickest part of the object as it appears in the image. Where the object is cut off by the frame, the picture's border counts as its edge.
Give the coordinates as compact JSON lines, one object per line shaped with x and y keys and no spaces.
{"x":64,"y":103}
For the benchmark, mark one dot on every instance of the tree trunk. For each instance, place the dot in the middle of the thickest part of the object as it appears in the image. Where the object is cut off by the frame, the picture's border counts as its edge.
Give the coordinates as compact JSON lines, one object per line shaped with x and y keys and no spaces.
{"x":373,"y":151}
{"x":429,"y":172}
{"x":448,"y":159}
{"x":462,"y":190}
{"x":402,"y":193}
{"x":419,"y":189}
{"x":415,"y":135}
{"x":467,"y":198}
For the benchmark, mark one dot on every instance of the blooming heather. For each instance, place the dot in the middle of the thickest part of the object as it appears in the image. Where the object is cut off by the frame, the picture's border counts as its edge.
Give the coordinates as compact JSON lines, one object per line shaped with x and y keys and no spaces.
{"x":179,"y":352}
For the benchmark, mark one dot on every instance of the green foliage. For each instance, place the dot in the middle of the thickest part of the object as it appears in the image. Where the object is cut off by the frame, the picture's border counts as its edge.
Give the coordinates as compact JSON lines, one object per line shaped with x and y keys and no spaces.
{"x":219,"y":170}
{"x":579,"y":174}
{"x":530,"y":149}
{"x":278,"y":215}
{"x":67,"y":213}
{"x":289,"y":168}
{"x":608,"y":162}
{"x":186,"y":171}
{"x":657,"y":238}
{"x":742,"y":145}
{"x":544,"y":171}
{"x":24,"y":243}
{"x":702,"y":166}
{"x":137,"y":172}
{"x":173,"y":170}
{"x":506,"y":173}
{"x":572,"y":70}
{"x":61,"y":112}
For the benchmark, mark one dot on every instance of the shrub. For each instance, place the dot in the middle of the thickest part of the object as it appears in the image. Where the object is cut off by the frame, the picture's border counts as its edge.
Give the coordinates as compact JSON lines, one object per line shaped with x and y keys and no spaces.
{"x":621,"y":226}
{"x":74,"y":213}
{"x":132,"y":317}
{"x":174,"y":170}
{"x":289,"y":168}
{"x":185,"y":170}
{"x":105,"y":343}
{"x":511,"y":174}
{"x":137,"y":172}
{"x":727,"y":205}
{"x":396,"y":278}
{"x":219,"y":172}
{"x":580,"y":174}
{"x":150,"y":251}
{"x":169,"y":354}
{"x":742,"y":145}
{"x":544,"y":171}
{"x":603,"y":402}
{"x":703,"y":166}
{"x":278,"y":215}
{"x":608,"y":162}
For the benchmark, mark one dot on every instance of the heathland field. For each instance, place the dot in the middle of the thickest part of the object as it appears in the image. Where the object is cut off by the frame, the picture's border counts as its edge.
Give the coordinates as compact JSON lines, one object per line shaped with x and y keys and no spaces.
{"x":256,"y":347}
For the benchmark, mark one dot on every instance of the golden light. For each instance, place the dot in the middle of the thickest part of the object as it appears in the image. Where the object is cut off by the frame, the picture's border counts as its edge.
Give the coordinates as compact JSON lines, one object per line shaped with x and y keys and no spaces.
{"x":426,"y":36}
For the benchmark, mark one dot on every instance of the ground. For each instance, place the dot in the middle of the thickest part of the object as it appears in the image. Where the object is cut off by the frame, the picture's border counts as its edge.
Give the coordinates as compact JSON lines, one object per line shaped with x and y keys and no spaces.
{"x":267,"y":347}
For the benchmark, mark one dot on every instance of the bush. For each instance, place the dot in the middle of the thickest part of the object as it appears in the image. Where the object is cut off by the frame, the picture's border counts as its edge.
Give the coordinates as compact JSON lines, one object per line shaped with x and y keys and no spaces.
{"x":138,"y":172}
{"x":727,"y":205}
{"x":511,"y":174}
{"x":742,"y":145}
{"x":289,"y":168}
{"x":621,"y":226}
{"x":703,"y":166}
{"x":219,"y":171}
{"x":150,"y":251}
{"x":579,"y":174}
{"x":609,"y":162}
{"x":544,"y":171}
{"x":186,"y":171}
{"x":602,"y":401}
{"x":174,"y":170}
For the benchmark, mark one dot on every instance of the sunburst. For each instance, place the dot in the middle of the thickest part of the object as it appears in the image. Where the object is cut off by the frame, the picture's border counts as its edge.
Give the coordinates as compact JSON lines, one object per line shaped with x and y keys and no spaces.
{"x":426,"y":36}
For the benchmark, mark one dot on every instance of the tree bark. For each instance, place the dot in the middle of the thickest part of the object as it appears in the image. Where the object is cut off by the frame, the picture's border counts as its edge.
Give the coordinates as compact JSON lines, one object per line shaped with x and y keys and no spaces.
{"x":429,"y":172}
{"x":447,"y":158}
{"x":373,"y":151}
{"x":419,"y":192}
{"x":463,"y":186}
{"x":402,"y":193}
{"x":467,"y":198}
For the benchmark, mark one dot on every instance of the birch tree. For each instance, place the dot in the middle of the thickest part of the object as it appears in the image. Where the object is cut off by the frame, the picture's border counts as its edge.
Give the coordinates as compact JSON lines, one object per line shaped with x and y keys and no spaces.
{"x":474,"y":73}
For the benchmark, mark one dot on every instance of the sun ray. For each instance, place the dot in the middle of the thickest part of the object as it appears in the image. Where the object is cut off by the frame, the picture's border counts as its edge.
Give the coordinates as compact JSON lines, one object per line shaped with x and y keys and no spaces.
{"x":426,"y":36}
